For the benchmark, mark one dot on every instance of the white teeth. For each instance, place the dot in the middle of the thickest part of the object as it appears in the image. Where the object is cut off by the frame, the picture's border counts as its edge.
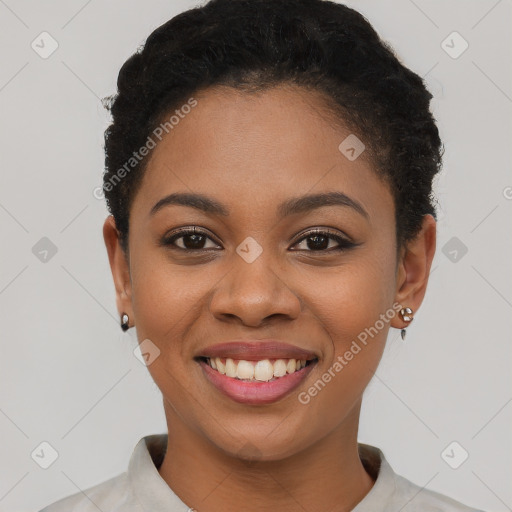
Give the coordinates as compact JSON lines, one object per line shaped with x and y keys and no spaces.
{"x":220,"y":366}
{"x":230,"y":367}
{"x":291,"y":366}
{"x":279,"y":368}
{"x":245,"y":370}
{"x":262,"y":370}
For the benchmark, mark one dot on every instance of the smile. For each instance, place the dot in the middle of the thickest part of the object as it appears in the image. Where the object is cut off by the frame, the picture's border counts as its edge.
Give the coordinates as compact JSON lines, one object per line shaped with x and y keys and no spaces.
{"x":256,"y":382}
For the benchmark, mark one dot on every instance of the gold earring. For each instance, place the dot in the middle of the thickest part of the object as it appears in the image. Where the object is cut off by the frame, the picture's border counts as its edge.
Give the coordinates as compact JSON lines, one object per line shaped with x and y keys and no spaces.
{"x":406,"y":314}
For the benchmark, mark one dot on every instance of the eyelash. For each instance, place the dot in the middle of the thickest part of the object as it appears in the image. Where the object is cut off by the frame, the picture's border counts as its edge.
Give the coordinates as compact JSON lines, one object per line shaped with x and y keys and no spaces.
{"x":344,"y":244}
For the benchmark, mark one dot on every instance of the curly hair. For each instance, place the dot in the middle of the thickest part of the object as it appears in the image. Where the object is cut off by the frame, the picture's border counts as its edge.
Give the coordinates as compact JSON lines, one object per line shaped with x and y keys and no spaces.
{"x":253,"y":45}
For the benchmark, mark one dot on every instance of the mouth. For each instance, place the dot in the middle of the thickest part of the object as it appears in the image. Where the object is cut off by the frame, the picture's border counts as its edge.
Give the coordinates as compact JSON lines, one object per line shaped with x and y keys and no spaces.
{"x":255,"y":382}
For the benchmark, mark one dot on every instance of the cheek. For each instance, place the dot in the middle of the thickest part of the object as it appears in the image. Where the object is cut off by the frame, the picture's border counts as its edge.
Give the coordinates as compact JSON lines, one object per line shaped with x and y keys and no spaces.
{"x":351,"y":298}
{"x":165,"y":297}
{"x":354,"y":306}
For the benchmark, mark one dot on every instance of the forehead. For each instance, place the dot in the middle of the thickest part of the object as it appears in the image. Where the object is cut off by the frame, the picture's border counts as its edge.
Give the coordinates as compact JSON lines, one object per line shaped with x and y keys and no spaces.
{"x":255,"y":148}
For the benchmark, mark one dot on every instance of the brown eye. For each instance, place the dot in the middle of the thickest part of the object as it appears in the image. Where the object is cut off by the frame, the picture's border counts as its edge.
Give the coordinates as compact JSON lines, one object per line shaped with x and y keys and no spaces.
{"x":320,"y":241}
{"x":189,"y":240}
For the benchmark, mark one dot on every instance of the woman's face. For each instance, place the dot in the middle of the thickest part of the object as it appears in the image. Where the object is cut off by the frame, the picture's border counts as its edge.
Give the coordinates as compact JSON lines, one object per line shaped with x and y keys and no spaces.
{"x":252,"y":273}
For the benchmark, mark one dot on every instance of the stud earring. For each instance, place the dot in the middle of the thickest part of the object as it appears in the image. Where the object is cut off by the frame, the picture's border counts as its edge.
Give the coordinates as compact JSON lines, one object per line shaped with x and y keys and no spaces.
{"x":124,"y":322}
{"x":406,"y":314}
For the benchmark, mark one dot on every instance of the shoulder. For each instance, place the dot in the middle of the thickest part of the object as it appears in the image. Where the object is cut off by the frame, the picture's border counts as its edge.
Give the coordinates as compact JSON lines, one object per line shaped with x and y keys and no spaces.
{"x":111,"y":495}
{"x":414,"y":498}
{"x":392,"y":492}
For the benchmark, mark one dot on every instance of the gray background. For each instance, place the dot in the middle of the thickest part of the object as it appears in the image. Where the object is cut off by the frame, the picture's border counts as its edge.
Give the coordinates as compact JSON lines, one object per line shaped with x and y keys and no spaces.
{"x":68,"y":373}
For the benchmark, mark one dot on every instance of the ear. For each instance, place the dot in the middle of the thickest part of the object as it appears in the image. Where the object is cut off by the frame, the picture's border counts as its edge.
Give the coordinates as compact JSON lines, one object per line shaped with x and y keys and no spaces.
{"x":414,"y":269}
{"x":119,"y":265}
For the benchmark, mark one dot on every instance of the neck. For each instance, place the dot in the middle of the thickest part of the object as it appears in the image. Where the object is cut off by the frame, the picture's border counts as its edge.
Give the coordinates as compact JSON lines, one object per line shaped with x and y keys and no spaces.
{"x":327,"y":475}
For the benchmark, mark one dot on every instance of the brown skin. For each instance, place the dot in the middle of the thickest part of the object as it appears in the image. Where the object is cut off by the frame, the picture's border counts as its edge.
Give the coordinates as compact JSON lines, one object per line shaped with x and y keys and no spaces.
{"x":250,"y":152}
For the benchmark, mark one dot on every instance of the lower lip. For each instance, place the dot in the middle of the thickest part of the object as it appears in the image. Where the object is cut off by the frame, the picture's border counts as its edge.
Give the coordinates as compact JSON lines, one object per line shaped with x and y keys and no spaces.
{"x":256,"y":392}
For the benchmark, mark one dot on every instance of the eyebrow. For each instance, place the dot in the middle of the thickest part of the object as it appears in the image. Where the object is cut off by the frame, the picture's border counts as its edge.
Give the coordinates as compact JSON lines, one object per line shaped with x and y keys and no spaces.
{"x":292,"y":206}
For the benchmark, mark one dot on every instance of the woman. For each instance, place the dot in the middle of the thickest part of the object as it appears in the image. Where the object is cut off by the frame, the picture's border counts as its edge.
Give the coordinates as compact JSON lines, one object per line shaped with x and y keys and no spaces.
{"x":269,"y":175}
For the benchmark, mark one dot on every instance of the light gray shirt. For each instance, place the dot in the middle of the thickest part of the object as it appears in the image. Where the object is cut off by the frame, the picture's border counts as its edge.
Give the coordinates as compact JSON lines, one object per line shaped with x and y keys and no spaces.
{"x":142,"y":489}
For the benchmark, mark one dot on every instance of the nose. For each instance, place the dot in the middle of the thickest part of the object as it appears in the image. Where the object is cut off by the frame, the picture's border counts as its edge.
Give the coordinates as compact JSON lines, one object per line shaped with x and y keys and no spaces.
{"x":253,"y":294}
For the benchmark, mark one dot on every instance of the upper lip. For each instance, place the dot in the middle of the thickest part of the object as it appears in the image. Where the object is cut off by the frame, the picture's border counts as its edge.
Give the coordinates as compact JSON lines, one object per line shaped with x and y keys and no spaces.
{"x":256,"y":350}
